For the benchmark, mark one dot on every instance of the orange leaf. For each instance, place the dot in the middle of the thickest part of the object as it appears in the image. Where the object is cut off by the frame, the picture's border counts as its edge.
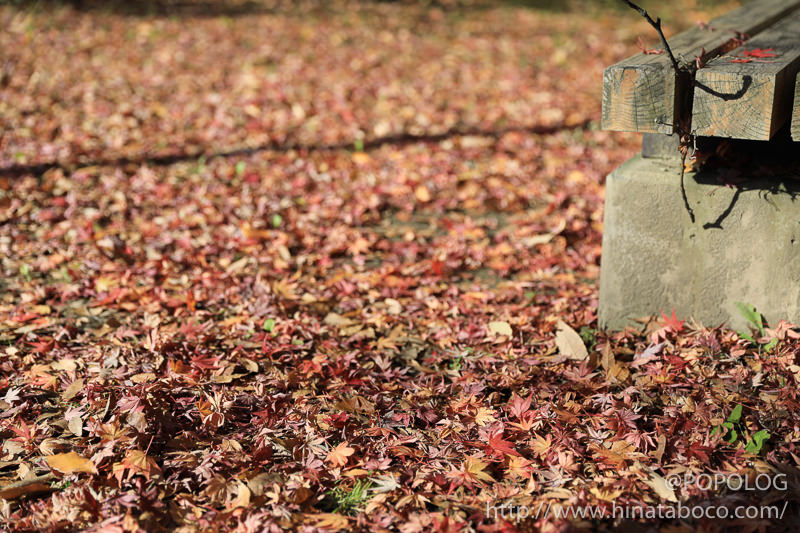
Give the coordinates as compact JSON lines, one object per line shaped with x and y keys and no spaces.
{"x":422,"y":193}
{"x":338,"y":456}
{"x":361,"y":158}
{"x":69,"y":463}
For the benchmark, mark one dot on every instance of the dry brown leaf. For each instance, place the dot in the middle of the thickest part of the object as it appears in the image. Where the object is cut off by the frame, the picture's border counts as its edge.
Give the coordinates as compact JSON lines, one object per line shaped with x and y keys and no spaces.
{"x":69,"y":463}
{"x":74,"y":388}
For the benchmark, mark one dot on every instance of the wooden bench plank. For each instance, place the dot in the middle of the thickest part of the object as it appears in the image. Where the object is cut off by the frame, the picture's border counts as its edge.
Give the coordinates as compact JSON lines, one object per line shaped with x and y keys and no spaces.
{"x":642,"y":93}
{"x":796,"y":112}
{"x":753,"y":99}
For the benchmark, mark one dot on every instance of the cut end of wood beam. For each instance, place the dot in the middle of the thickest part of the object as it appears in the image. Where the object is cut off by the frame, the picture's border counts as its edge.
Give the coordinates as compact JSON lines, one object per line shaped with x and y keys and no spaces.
{"x":634,"y":99}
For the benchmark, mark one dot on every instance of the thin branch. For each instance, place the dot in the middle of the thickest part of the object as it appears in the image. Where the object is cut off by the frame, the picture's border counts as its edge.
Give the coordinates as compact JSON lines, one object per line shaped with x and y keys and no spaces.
{"x":657,"y":25}
{"x":683,"y":188}
{"x":33,"y":485}
{"x":684,"y":148}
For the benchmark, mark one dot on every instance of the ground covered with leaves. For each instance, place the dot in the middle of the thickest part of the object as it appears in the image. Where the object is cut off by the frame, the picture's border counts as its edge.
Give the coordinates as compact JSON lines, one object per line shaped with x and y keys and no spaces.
{"x":334,"y":267}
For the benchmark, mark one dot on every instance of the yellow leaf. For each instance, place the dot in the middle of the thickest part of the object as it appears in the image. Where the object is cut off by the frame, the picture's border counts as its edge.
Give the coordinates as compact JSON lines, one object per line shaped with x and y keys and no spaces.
{"x":103,"y":284}
{"x":69,"y":463}
{"x":475,"y":467}
{"x":233,"y":321}
{"x":569,"y":343}
{"x":661,"y":486}
{"x":484,"y":416}
{"x":355,"y":472}
{"x":66,"y":365}
{"x":242,"y":496}
{"x":519,"y":467}
{"x":500,"y":328}
{"x":542,"y":445}
{"x":143,"y":377}
{"x":607,"y":360}
{"x":334,"y":319}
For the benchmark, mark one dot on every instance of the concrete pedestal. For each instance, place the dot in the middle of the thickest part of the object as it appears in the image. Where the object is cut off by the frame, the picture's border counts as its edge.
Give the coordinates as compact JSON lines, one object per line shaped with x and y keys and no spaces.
{"x":744,"y":246}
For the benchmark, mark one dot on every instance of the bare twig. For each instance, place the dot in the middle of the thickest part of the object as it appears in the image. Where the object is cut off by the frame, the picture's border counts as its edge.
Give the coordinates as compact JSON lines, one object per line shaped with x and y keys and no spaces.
{"x":686,"y":138}
{"x":657,"y":25}
{"x":33,"y":485}
{"x":683,"y":188}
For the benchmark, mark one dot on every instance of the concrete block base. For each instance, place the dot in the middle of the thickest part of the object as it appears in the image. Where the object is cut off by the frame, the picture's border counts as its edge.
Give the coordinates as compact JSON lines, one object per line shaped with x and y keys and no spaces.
{"x":744,"y":246}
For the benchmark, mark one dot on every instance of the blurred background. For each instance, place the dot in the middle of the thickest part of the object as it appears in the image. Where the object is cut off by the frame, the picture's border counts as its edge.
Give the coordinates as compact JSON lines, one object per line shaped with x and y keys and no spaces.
{"x":93,"y":80}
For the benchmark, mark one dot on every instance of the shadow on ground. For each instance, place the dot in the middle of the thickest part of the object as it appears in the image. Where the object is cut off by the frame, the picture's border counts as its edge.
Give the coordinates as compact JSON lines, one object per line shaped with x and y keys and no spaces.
{"x":169,"y":159}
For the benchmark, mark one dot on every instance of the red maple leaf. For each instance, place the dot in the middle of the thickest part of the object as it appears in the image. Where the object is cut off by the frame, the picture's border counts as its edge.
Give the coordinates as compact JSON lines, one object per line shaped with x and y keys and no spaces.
{"x":756,"y":53}
{"x":498,"y":444}
{"x":760,"y":52}
{"x":672,"y":322}
{"x":205,"y":363}
{"x":519,"y":406}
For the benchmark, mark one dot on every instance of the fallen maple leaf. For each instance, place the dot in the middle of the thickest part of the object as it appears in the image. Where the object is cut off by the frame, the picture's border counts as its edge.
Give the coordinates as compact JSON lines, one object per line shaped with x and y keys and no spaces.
{"x":338,"y":456}
{"x":498,"y":444}
{"x":748,"y":56}
{"x":475,"y":468}
{"x":672,"y":322}
{"x":760,"y":53}
{"x":484,"y":416}
{"x":541,"y":445}
{"x":519,"y":406}
{"x":135,"y":462}
{"x":27,"y":487}
{"x":361,"y":158}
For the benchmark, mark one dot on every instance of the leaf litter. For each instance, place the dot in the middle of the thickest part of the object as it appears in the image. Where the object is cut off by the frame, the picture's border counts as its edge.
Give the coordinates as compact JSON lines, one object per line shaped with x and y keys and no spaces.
{"x":335,"y":269}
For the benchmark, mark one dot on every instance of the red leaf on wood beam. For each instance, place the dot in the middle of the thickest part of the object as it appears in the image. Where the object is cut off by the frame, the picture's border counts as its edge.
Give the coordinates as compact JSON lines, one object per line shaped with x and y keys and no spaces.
{"x":648,"y":51}
{"x":760,"y":52}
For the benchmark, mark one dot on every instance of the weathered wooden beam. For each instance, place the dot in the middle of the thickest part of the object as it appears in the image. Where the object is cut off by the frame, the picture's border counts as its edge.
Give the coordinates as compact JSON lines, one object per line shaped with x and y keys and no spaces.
{"x":796,"y":112}
{"x":748,"y":93}
{"x":643,"y":93}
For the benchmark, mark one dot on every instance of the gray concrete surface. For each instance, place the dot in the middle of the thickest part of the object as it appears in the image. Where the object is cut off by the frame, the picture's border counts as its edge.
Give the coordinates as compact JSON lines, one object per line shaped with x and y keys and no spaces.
{"x":744,"y":245}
